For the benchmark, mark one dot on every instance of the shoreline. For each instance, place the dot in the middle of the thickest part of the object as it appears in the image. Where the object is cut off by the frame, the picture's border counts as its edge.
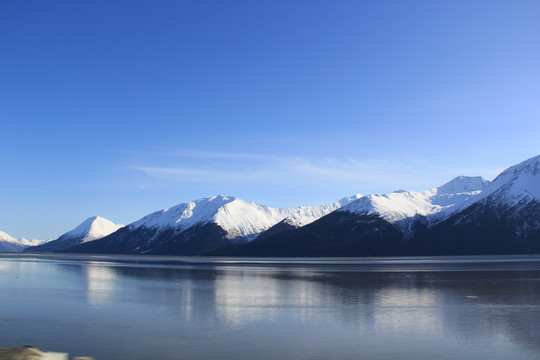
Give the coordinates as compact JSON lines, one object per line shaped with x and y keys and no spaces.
{"x":468,"y":262}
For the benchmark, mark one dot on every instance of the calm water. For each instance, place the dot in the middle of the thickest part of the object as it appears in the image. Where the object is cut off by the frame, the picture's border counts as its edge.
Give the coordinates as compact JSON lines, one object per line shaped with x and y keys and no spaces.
{"x":147,"y":308}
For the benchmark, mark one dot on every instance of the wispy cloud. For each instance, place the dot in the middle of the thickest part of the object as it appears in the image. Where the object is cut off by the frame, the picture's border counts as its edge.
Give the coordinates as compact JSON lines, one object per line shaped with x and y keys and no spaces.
{"x":183,"y":174}
{"x":205,"y":154}
{"x":257,"y":166}
{"x":203,"y":167}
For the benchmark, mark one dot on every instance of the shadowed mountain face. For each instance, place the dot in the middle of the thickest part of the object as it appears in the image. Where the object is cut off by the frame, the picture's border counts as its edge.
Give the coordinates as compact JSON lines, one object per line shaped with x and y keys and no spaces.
{"x":336,"y":234}
{"x":484,"y":228}
{"x":282,"y":226}
{"x":480,"y":229}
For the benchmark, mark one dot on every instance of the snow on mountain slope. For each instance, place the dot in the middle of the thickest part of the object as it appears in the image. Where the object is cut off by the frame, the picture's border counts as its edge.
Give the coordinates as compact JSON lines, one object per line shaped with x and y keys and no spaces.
{"x":92,"y":228}
{"x":7,"y":238}
{"x":237,"y":217}
{"x":307,"y":214}
{"x":435,"y":204}
{"x":33,"y":242}
{"x":517,"y":184}
{"x":184,"y":215}
{"x":243,"y":219}
{"x":10,"y":243}
{"x":463,"y":184}
{"x":89,"y":230}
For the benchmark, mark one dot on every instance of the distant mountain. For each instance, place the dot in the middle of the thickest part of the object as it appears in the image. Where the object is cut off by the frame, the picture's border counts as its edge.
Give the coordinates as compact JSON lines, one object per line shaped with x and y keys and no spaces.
{"x":89,"y":230}
{"x":369,"y":226}
{"x":32,"y":242}
{"x":9,"y":243}
{"x":202,"y":225}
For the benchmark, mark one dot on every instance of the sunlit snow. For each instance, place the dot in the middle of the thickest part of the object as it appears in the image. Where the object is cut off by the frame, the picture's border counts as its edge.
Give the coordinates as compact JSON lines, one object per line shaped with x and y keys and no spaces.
{"x":10,"y":243}
{"x":93,"y":228}
{"x":435,"y":204}
{"x":237,"y":217}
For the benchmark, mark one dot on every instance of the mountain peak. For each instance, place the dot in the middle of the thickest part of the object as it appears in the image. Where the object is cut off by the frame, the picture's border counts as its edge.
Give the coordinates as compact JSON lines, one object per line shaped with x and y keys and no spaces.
{"x":185,"y":214}
{"x":6,"y":237}
{"x":463,"y":184}
{"x":530,"y":167}
{"x":93,"y":228}
{"x":518,"y":183}
{"x":349,"y":199}
{"x":9,"y":243}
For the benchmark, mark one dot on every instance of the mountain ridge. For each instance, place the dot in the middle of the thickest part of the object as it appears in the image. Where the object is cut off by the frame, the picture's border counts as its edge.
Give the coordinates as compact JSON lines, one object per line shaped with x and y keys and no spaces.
{"x":434,"y":204}
{"x":229,"y":219}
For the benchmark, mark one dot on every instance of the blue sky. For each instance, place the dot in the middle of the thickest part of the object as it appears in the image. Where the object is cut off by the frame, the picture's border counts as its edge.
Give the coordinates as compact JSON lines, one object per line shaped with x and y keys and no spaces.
{"x":122,"y":108}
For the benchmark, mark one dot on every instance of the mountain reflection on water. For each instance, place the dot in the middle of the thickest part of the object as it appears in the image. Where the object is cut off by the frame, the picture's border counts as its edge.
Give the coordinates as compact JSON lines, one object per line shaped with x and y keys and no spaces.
{"x":115,"y":310}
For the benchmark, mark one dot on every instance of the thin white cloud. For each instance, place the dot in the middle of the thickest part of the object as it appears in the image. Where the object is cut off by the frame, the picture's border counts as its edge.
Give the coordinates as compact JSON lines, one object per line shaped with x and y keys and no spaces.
{"x":205,"y":154}
{"x":183,"y":174}
{"x":281,"y":171}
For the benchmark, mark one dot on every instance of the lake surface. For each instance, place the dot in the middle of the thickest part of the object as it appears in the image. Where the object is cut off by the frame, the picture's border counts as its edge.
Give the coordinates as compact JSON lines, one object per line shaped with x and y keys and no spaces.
{"x":195,"y":308}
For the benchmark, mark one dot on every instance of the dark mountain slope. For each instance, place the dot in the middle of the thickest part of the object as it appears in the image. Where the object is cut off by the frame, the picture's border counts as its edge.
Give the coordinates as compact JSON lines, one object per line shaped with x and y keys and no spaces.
{"x":336,"y":234}
{"x":484,"y":229}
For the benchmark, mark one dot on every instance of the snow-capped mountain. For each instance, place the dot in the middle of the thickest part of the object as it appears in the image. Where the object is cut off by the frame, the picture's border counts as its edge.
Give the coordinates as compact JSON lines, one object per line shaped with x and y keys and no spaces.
{"x":464,"y":216}
{"x":504,"y":219}
{"x":370,"y":225}
{"x":402,"y":207}
{"x":9,"y":243}
{"x":240,"y":219}
{"x":91,"y":229}
{"x":516,"y":185}
{"x":201,"y":225}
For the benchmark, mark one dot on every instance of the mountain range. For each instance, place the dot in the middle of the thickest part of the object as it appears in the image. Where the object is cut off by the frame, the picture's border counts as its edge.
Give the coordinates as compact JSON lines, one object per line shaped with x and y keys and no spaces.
{"x":468,"y":215}
{"x":9,"y":243}
{"x":206,"y":224}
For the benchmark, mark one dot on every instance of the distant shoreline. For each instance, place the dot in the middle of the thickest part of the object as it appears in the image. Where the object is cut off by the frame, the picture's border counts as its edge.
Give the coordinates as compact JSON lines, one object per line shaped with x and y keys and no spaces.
{"x":410,"y":263}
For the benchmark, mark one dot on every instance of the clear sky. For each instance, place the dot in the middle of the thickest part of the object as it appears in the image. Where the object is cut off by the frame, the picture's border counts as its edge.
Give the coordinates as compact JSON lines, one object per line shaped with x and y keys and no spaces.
{"x":121,"y":108}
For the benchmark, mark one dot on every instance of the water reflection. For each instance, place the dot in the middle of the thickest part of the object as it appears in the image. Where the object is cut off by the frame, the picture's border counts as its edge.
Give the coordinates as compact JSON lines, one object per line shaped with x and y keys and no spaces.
{"x":469,"y":305}
{"x":233,"y":312}
{"x":101,"y":283}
